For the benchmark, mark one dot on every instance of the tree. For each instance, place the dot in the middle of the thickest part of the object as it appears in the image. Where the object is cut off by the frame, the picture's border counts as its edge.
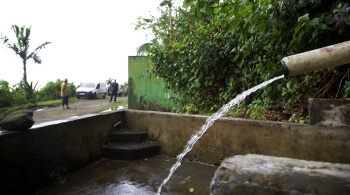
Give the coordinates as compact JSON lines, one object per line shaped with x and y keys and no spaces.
{"x":126,"y":85}
{"x":22,"y":46}
{"x":210,"y":51}
{"x":109,"y":81}
{"x":143,"y":49}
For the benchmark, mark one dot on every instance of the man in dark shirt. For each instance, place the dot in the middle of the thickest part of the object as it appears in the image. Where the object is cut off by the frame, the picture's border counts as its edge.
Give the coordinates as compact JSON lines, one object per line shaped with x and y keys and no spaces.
{"x":115,"y":88}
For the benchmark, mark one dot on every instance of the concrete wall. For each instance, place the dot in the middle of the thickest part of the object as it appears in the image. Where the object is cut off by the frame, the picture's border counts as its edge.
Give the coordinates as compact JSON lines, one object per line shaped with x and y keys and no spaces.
{"x":230,"y":136}
{"x":329,"y":112}
{"x":32,"y":159}
{"x":145,"y":92}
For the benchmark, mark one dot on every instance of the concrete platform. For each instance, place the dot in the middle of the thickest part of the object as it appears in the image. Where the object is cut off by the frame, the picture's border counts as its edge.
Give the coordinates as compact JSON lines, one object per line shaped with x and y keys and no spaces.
{"x":141,"y":177}
{"x":269,"y":175}
{"x":36,"y":158}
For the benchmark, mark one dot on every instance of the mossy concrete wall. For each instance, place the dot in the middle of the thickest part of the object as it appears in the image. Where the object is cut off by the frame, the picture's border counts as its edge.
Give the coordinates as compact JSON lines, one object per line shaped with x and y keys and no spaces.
{"x":145,"y":92}
{"x":329,"y":112}
{"x":233,"y":136}
{"x":32,"y":159}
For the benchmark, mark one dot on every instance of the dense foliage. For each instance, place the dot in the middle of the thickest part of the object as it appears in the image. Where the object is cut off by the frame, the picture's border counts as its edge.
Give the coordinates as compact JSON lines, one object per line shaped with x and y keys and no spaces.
{"x":5,"y":94}
{"x":209,"y":51}
{"x":23,"y":93}
{"x":52,"y":90}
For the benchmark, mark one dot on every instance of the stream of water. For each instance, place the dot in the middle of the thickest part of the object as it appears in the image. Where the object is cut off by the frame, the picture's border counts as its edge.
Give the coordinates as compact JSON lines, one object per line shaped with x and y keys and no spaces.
{"x":198,"y":134}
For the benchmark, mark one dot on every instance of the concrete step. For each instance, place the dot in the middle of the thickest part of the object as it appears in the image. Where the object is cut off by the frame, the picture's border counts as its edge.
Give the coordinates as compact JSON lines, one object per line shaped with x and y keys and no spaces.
{"x":130,"y":151}
{"x":128,"y":136}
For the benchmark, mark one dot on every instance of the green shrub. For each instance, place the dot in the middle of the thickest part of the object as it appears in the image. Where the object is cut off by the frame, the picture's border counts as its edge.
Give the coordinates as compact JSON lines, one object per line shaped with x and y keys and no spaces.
{"x":5,"y":94}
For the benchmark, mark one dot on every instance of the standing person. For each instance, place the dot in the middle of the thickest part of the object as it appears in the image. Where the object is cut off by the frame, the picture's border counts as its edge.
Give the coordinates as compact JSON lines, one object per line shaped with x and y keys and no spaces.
{"x":115,"y":88}
{"x":64,"y":93}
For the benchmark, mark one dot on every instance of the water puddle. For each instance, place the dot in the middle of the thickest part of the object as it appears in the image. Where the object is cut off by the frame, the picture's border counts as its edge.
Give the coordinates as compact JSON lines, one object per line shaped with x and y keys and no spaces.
{"x":128,"y":187}
{"x":41,"y":109}
{"x":111,"y":109}
{"x":198,"y":134}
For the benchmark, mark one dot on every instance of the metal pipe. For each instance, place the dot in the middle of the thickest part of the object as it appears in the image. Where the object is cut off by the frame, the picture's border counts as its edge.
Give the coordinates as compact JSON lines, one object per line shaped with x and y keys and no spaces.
{"x":318,"y":59}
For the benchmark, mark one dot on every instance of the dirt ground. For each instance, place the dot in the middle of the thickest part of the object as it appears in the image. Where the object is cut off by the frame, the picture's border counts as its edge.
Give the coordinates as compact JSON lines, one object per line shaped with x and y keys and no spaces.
{"x":87,"y":106}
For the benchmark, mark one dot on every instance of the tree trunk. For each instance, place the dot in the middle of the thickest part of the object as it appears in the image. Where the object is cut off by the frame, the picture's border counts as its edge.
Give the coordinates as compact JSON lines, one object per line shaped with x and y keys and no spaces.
{"x":24,"y":71}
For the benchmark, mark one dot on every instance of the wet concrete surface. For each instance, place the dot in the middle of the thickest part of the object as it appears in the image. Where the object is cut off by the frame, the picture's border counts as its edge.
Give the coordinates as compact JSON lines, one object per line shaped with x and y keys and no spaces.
{"x":139,"y":177}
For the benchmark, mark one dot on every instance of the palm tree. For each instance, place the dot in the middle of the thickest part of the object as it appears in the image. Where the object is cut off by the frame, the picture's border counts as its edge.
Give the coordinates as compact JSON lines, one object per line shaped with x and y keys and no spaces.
{"x":109,"y":81}
{"x":22,"y":46}
{"x":143,"y":49}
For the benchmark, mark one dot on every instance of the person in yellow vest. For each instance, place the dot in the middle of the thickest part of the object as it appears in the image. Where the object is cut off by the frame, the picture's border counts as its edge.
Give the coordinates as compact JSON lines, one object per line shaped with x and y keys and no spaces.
{"x":64,"y":93}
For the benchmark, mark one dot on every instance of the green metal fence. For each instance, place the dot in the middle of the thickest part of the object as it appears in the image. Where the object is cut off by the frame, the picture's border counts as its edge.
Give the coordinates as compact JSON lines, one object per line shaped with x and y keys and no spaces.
{"x":145,"y":92}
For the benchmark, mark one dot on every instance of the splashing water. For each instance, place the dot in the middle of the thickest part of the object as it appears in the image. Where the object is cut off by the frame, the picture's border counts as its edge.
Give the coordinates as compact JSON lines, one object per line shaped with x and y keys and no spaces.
{"x":209,"y":122}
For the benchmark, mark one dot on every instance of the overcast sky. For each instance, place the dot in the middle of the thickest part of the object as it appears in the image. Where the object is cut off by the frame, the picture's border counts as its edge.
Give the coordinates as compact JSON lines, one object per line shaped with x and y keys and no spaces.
{"x":91,"y":40}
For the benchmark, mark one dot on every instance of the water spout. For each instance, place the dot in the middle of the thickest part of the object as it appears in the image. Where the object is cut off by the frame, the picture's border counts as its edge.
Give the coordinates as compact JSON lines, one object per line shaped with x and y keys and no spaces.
{"x":198,"y":134}
{"x":318,"y":59}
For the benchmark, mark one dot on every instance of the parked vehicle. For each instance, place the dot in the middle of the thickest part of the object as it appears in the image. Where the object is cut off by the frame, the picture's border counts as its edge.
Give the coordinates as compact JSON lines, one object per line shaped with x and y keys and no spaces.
{"x":92,"y":90}
{"x":122,"y":91}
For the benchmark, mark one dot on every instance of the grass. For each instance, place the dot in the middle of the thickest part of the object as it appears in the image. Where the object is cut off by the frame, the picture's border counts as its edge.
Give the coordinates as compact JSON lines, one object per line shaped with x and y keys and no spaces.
{"x":58,"y":102}
{"x":7,"y":110}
